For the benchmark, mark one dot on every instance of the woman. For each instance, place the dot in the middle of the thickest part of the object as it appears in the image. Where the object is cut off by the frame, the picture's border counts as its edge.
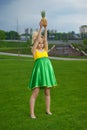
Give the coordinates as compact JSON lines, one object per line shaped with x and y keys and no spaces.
{"x":42,"y":74}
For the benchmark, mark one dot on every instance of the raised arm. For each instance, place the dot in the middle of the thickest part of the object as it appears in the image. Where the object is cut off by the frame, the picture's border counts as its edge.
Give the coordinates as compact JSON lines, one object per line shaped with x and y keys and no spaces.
{"x":37,"y":39}
{"x":45,"y":39}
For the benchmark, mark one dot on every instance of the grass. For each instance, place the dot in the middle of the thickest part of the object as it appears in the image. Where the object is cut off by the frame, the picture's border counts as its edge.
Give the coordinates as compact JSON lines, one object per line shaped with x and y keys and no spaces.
{"x":25,"y":48}
{"x":68,"y":99}
{"x":16,"y":47}
{"x":81,"y":47}
{"x":13,"y":44}
{"x":21,"y":50}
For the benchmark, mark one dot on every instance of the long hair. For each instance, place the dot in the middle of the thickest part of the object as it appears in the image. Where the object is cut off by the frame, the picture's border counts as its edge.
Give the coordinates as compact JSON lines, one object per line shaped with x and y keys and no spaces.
{"x":34,"y":35}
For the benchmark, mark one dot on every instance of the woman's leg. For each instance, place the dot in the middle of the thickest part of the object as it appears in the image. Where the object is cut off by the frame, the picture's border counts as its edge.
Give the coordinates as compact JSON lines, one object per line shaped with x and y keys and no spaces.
{"x":47,"y":96}
{"x":32,"y":101}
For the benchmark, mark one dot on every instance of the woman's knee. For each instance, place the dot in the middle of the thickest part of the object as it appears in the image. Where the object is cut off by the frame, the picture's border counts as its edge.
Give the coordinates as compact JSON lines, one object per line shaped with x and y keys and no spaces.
{"x":47,"y":91}
{"x":35,"y":92}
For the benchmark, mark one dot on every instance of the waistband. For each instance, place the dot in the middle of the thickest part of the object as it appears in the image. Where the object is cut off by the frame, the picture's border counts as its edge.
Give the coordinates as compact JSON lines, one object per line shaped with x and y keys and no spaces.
{"x":41,"y":58}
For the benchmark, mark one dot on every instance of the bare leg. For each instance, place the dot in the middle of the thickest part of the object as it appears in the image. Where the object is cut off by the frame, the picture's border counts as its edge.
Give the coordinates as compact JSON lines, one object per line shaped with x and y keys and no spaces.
{"x":32,"y":101}
{"x":47,"y":96}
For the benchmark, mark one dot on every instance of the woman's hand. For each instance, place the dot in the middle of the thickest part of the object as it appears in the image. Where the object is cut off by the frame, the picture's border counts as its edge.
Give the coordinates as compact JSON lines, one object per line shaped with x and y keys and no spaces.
{"x":41,"y":24}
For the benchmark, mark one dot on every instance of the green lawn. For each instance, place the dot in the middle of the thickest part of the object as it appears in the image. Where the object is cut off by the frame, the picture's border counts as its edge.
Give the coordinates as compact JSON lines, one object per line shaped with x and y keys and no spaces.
{"x":68,"y":99}
{"x":17,"y":47}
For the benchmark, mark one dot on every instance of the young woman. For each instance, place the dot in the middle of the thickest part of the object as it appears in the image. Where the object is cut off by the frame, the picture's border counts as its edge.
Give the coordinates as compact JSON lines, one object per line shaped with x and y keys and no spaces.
{"x":42,"y":74}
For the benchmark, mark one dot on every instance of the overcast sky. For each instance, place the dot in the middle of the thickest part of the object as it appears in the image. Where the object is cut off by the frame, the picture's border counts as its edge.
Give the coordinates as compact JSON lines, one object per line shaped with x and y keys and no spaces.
{"x":62,"y":15}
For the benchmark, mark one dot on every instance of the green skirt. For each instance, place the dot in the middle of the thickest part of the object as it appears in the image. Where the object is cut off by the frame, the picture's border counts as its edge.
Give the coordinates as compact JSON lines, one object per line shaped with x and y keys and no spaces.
{"x":42,"y":74}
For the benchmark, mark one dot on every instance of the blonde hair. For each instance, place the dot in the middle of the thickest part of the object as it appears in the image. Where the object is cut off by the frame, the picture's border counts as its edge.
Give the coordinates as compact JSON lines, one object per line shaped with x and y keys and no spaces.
{"x":34,"y":35}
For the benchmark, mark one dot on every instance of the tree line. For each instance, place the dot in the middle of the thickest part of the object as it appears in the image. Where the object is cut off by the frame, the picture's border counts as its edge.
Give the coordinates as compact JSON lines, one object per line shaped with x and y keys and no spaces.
{"x":11,"y":35}
{"x":52,"y":35}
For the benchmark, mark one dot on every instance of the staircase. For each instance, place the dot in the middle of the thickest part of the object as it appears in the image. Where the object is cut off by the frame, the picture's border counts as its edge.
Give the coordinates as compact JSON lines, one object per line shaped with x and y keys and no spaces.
{"x":64,"y":50}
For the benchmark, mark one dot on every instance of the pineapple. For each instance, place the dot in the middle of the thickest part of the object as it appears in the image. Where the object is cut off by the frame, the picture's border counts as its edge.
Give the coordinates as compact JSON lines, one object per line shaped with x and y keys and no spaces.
{"x":43,"y":20}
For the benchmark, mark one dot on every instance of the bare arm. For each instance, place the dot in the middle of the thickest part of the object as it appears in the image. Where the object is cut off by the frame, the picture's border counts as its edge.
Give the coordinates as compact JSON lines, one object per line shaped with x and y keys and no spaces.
{"x":36,"y":40}
{"x":45,"y":39}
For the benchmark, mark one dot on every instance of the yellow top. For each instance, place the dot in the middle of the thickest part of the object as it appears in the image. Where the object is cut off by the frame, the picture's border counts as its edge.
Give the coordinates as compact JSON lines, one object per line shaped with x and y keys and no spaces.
{"x":40,"y":54}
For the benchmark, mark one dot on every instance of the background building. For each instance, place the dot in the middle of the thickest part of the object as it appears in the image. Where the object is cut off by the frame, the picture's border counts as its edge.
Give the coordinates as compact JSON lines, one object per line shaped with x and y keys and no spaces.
{"x":83,"y":29}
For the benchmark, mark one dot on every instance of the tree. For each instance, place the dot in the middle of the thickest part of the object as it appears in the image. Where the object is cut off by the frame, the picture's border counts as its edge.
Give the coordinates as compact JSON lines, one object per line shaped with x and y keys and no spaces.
{"x":85,"y":41}
{"x":48,"y":33}
{"x":84,"y":35}
{"x":2,"y":35}
{"x":12,"y":35}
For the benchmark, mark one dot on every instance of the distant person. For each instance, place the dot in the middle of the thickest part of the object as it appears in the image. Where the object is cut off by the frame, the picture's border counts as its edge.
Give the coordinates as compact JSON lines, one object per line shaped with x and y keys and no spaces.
{"x":43,"y":76}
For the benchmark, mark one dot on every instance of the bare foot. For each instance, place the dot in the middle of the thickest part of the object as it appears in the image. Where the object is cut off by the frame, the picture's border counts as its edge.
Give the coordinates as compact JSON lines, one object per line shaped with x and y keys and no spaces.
{"x":49,"y":113}
{"x":33,"y":116}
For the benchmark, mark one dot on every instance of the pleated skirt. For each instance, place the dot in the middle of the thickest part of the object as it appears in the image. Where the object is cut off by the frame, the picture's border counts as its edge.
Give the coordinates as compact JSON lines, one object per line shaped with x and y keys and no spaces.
{"x":42,"y":74}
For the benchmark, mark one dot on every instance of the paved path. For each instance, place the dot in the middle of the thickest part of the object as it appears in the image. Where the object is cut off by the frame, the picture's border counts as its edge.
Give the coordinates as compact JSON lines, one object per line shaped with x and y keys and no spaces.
{"x":56,"y":58}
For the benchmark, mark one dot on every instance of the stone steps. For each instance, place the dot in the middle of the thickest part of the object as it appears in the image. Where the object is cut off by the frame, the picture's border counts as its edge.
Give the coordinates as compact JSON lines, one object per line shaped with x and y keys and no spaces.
{"x":64,"y":50}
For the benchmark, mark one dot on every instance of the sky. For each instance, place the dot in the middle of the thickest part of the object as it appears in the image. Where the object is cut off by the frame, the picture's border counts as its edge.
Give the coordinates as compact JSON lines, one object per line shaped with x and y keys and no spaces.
{"x":62,"y":15}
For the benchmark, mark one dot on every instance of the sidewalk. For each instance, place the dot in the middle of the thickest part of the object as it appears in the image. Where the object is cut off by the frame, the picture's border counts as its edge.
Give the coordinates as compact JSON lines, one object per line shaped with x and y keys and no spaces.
{"x":55,"y":58}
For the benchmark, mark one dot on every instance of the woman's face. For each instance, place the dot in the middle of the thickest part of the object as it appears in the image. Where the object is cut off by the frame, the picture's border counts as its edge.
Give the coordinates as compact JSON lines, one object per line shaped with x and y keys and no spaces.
{"x":40,"y":44}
